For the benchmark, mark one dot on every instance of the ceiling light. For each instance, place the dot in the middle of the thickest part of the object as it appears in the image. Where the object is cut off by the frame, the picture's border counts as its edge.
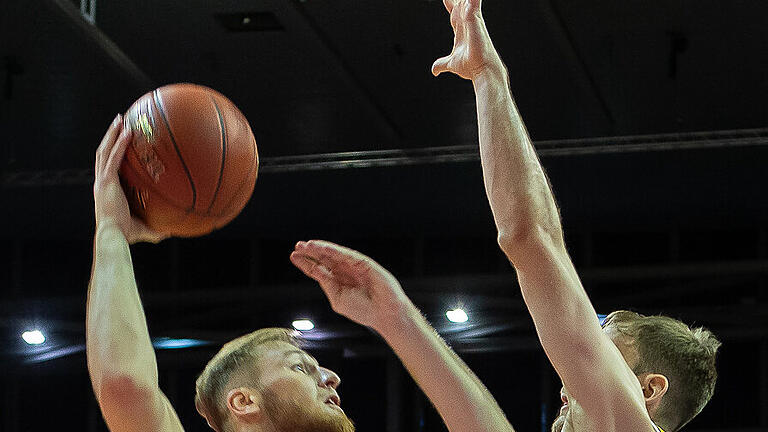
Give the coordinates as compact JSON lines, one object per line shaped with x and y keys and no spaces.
{"x":457,"y":315}
{"x":303,"y":325}
{"x":34,"y":337}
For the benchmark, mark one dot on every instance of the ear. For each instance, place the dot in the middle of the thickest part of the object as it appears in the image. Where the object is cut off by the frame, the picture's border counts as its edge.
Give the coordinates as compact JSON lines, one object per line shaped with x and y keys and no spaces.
{"x":244,"y":404}
{"x":654,"y":386}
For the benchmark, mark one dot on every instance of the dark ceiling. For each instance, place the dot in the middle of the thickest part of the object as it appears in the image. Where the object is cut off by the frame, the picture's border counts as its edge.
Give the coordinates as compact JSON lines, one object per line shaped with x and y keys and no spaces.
{"x":650,"y":119}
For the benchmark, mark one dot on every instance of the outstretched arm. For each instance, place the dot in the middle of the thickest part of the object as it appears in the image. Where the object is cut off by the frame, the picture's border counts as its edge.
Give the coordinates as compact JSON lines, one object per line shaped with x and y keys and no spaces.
{"x":363,"y":291}
{"x":530,"y":234}
{"x":121,"y":360}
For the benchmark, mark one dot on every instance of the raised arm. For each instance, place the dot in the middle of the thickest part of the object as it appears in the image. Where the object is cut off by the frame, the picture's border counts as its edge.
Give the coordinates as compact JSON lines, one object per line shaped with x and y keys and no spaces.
{"x":121,"y":360}
{"x":363,"y":291}
{"x":529,"y":232}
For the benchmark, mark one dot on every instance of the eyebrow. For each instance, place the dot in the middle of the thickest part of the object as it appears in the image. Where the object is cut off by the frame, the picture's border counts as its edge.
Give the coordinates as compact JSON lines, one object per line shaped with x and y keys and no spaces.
{"x":301,"y":353}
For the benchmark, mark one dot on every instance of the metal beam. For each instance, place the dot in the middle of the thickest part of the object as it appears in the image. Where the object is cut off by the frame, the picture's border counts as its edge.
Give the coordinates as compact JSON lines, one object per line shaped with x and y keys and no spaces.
{"x":450,"y":154}
{"x":394,"y":395}
{"x":495,"y":289}
{"x":763,"y":383}
{"x":66,"y":10}
{"x":676,"y":271}
{"x":297,"y":18}
{"x":583,"y":77}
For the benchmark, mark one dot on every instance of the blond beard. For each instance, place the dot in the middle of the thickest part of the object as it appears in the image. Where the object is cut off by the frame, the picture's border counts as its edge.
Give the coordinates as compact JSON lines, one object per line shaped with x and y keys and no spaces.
{"x":289,"y":416}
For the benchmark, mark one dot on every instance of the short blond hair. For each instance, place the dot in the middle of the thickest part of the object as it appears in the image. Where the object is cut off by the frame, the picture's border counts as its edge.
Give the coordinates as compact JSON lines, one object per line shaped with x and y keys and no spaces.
{"x":239,"y":355}
{"x":685,"y":355}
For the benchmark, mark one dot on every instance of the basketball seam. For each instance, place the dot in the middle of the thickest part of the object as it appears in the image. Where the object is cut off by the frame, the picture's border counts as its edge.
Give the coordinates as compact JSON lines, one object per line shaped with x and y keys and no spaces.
{"x":223,"y":153}
{"x":242,"y":184}
{"x":150,"y":187}
{"x":156,"y":100}
{"x":193,"y":212}
{"x":254,"y":166}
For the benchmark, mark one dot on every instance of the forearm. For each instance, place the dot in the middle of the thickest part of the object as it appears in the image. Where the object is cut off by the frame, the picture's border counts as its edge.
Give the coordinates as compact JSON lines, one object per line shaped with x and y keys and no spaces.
{"x":459,"y":396}
{"x":117,"y":340}
{"x":530,"y":232}
{"x":517,"y":188}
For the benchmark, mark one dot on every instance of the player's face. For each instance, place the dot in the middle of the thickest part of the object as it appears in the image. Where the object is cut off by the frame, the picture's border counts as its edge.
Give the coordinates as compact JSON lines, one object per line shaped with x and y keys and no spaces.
{"x":298,"y":394}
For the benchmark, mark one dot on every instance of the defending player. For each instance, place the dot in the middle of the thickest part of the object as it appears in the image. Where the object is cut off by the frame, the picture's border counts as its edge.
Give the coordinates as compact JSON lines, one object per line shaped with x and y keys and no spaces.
{"x":638,"y":373}
{"x":263,"y":381}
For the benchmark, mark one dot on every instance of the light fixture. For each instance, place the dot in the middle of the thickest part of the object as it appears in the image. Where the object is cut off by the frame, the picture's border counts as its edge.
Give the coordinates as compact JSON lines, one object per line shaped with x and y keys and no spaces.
{"x":33,"y":337}
{"x":457,"y":315}
{"x":303,"y":324}
{"x":172,"y":343}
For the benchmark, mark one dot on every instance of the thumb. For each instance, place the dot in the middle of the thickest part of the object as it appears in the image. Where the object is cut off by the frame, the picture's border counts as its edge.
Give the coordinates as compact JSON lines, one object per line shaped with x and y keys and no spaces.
{"x":142,"y":233}
{"x":440,"y":65}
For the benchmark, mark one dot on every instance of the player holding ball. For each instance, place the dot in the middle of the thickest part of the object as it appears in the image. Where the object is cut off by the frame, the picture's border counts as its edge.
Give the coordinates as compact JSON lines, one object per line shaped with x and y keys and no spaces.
{"x":262,"y":381}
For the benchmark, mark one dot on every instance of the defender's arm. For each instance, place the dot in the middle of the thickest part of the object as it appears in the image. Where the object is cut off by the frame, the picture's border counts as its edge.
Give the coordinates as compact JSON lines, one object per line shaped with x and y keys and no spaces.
{"x":530,"y":234}
{"x":366,"y":293}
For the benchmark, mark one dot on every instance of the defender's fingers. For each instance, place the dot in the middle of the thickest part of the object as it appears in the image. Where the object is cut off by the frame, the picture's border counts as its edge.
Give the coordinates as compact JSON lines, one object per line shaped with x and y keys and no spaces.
{"x":329,"y":253}
{"x":346,"y":265}
{"x":319,"y":273}
{"x":311,"y":268}
{"x":118,"y":151}
{"x":449,"y":4}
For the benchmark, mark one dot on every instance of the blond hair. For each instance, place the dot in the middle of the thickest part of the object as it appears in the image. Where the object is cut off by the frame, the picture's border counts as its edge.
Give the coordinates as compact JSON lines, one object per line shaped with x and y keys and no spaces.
{"x":686,"y":356}
{"x":240,"y":356}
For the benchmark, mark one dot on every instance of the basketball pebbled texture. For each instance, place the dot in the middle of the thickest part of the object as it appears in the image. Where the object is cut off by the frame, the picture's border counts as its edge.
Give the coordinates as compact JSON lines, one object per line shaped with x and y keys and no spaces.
{"x":193,"y":161}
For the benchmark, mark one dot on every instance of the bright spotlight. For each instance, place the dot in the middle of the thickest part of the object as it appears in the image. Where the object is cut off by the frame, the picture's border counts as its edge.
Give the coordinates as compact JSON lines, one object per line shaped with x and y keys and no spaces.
{"x":303,"y":325}
{"x":34,"y":337}
{"x":457,"y":315}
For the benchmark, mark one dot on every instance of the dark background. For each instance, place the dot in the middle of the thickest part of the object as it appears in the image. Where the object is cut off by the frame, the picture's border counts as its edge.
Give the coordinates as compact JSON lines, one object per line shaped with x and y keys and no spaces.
{"x":650,"y":118}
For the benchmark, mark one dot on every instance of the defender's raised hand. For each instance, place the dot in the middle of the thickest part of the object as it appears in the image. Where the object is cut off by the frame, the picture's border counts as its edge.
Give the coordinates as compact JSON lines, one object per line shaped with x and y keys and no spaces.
{"x":473,"y":51}
{"x":356,"y":286}
{"x":109,"y":199}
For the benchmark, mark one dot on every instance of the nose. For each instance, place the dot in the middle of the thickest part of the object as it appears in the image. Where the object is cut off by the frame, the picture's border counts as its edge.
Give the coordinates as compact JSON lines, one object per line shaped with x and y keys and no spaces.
{"x":328,"y":378}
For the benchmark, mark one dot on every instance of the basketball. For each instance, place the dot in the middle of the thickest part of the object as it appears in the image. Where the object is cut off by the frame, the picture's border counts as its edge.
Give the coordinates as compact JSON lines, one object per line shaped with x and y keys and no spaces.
{"x":192,"y":164}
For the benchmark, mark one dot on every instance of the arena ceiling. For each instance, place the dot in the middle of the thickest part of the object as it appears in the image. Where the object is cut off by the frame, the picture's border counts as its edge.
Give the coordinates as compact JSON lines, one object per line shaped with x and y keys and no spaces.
{"x":650,"y":119}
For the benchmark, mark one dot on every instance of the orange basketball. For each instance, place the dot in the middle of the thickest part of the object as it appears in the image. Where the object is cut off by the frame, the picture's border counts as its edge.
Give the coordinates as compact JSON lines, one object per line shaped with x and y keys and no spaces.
{"x":193,"y":161}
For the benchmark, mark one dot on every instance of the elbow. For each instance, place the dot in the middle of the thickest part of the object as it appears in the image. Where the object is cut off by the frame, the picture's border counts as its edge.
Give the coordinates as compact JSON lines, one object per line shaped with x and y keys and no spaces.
{"x":527,"y":240}
{"x":123,"y":389}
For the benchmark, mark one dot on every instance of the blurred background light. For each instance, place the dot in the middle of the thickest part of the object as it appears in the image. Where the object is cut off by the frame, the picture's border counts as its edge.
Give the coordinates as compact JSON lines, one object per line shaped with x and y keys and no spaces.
{"x":303,"y":324}
{"x":173,"y":343}
{"x":457,"y":315}
{"x":33,"y":337}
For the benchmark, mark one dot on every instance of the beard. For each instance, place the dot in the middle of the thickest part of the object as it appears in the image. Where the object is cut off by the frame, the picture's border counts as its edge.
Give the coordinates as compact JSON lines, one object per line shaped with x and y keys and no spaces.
{"x":288,"y":415}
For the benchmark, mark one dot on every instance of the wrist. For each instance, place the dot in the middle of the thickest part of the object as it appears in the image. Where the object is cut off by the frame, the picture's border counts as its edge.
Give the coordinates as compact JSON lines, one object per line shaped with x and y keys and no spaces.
{"x":493,"y":73}
{"x":400,"y":322}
